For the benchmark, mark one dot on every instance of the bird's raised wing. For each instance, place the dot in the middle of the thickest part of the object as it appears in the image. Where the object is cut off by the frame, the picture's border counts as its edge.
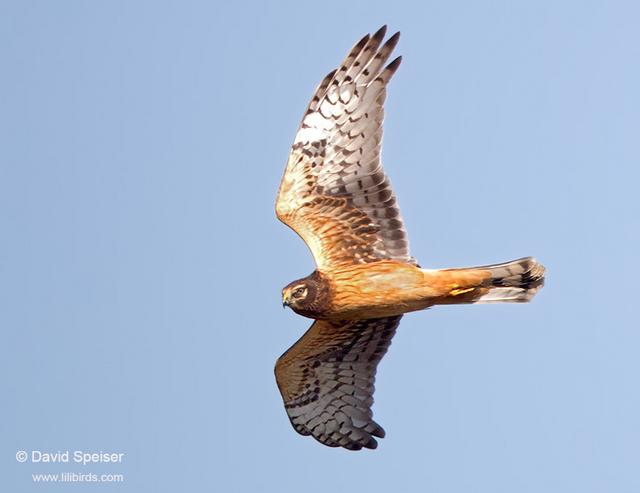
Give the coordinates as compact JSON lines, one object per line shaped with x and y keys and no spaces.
{"x":334,"y":192}
{"x":327,"y":380}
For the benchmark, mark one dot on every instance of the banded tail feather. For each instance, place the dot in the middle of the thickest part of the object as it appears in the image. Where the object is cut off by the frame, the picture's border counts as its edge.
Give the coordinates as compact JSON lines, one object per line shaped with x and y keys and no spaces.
{"x":511,"y":282}
{"x":517,"y":281}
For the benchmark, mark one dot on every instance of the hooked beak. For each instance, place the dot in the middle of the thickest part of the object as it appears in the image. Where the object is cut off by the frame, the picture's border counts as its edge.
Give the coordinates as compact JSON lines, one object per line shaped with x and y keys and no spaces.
{"x":285,"y":301}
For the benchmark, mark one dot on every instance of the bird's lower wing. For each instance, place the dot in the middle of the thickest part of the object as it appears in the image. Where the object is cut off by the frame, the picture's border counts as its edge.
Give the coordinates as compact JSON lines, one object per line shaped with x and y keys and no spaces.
{"x":327,"y":380}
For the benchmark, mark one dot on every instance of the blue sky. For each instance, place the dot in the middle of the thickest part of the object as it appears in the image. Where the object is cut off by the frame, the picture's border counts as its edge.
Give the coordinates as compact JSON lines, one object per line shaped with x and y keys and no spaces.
{"x":141,"y":262}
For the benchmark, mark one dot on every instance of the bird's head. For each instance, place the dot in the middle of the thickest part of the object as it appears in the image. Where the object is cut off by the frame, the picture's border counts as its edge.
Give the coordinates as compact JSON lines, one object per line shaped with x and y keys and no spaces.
{"x":305,"y":296}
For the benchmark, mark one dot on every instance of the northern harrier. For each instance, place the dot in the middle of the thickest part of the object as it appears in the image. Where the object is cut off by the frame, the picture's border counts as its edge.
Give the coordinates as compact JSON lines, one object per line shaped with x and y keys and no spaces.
{"x":336,"y":196}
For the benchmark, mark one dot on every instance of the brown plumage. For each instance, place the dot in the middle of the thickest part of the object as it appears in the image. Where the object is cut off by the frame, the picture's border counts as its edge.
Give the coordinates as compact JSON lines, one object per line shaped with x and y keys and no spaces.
{"x":336,"y":196}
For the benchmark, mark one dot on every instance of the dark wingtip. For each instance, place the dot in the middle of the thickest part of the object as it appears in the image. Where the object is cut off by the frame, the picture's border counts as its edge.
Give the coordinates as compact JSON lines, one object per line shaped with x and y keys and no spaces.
{"x":375,"y":429}
{"x":362,"y":42}
{"x":371,"y":444}
{"x":379,"y":34}
{"x":352,"y":446}
{"x":391,"y":43}
{"x":393,"y":66}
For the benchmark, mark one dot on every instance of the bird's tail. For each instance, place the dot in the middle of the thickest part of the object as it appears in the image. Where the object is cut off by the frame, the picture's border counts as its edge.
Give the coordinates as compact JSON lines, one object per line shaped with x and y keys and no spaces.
{"x":516,"y":281}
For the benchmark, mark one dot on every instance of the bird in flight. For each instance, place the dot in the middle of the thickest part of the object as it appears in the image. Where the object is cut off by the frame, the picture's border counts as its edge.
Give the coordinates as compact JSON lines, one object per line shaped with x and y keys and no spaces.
{"x":336,"y":196}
